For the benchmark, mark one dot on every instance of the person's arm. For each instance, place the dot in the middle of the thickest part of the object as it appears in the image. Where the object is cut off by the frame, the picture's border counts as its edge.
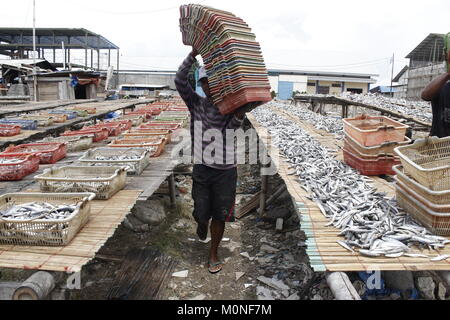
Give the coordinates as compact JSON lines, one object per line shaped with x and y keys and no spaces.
{"x":430,"y":91}
{"x":190,"y":97}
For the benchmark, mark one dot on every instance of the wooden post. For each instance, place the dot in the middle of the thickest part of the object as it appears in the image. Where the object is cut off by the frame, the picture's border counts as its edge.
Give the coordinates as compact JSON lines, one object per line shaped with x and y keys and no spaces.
{"x":171,"y":179}
{"x":36,"y":287}
{"x":262,"y":199}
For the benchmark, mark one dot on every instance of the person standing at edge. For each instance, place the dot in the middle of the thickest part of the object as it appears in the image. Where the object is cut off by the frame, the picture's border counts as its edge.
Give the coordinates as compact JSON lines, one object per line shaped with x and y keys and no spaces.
{"x":438,"y":92}
{"x":214,"y":184}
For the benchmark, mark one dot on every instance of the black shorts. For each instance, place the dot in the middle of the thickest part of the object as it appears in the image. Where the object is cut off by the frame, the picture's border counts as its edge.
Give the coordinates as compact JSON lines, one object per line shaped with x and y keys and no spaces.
{"x":214,"y":194}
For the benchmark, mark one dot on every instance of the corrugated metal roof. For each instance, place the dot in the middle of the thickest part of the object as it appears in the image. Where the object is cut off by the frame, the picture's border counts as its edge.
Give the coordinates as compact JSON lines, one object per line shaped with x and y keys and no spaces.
{"x":430,"y":49}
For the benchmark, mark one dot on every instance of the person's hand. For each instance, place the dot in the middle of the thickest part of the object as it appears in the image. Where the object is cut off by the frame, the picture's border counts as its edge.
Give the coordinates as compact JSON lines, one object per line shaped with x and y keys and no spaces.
{"x":194,"y":52}
{"x":240,"y":115}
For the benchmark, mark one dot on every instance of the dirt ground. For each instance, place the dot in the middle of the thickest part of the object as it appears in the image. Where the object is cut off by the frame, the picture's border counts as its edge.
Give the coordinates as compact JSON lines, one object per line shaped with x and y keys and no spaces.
{"x":176,"y":237}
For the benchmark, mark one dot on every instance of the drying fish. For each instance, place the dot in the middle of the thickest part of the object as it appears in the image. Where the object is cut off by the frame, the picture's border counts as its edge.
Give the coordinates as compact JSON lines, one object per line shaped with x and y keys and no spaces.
{"x":441,"y":258}
{"x":9,"y":161}
{"x":34,"y":211}
{"x":369,"y":221}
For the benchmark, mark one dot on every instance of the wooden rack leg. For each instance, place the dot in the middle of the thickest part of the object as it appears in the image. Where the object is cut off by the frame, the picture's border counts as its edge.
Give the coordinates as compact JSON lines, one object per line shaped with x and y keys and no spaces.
{"x":172,"y":190}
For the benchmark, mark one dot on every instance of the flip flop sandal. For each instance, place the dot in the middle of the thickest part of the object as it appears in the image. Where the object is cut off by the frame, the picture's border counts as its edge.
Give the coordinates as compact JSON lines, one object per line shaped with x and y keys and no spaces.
{"x":213,"y":265}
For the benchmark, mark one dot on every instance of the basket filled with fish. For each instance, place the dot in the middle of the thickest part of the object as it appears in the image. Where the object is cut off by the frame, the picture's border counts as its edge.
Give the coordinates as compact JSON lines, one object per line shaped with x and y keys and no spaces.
{"x":136,"y":160}
{"x":24,"y":124}
{"x":379,"y":165}
{"x":38,"y":219}
{"x":48,"y":152}
{"x":125,"y":124}
{"x":161,"y":126}
{"x":149,"y":133}
{"x":57,"y":118}
{"x":114,"y":129}
{"x":69,"y":113}
{"x":156,"y":145}
{"x":435,"y":197}
{"x":14,"y":167}
{"x":428,"y":162}
{"x":43,"y":121}
{"x":382,"y":149}
{"x":154,"y":111}
{"x":74,"y":143}
{"x":103,"y":181}
{"x":81,"y":113}
{"x":99,"y":134}
{"x":136,"y":121}
{"x":372,"y":131}
{"x":432,"y":218}
{"x":147,"y":114}
{"x":9,"y":130}
{"x":89,"y":110}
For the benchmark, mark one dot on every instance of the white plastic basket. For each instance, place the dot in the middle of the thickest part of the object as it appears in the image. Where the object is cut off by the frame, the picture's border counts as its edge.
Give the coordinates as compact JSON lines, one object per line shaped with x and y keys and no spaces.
{"x":134,"y":167}
{"x":75,"y":143}
{"x":103,"y":181}
{"x":44,"y":232}
{"x":428,"y":162}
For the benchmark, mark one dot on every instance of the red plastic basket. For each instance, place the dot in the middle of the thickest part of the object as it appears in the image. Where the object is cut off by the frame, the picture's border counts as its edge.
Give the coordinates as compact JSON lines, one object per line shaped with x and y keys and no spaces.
{"x":124,"y":124}
{"x":242,"y":97}
{"x":8,"y":130}
{"x":100,"y":134}
{"x":380,"y":166}
{"x":114,"y":129}
{"x":161,"y":126}
{"x":17,"y":171}
{"x":48,"y":152}
{"x":146,"y":113}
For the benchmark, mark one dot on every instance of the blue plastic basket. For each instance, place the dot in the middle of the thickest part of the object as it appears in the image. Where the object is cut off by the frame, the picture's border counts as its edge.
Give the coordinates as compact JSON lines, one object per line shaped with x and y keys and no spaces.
{"x":70,"y":114}
{"x":24,"y":124}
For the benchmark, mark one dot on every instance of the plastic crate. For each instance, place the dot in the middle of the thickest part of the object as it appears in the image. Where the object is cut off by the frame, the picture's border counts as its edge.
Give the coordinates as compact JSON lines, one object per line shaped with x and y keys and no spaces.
{"x":44,"y":232}
{"x":48,"y":152}
{"x":373,"y":131}
{"x":114,"y":130}
{"x":75,"y":143}
{"x":103,"y":181}
{"x":150,"y":132}
{"x":383,"y":149}
{"x":133,"y":167}
{"x":70,"y":114}
{"x":17,"y":171}
{"x":428,"y":162}
{"x":99,"y":134}
{"x":9,"y":130}
{"x":435,"y":222}
{"x":158,"y":126}
{"x":156,"y":146}
{"x":43,"y":121}
{"x":24,"y":124}
{"x":125,"y":124}
{"x":379,"y":166}
{"x":147,"y":114}
{"x":57,"y":118}
{"x":135,"y":120}
{"x":436,"y":197}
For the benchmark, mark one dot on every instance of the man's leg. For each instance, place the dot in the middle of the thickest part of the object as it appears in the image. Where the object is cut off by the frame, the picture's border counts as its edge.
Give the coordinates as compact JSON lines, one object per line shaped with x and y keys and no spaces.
{"x":217,"y":231}
{"x":201,"y":197}
{"x":222,"y":206}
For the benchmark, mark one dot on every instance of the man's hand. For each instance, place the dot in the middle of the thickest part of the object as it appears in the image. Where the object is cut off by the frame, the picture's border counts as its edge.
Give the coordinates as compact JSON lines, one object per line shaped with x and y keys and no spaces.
{"x":240,"y":115}
{"x":194,"y":52}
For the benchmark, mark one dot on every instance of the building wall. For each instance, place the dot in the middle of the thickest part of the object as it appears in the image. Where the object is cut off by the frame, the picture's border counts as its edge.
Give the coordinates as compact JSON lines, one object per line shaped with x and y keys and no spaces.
{"x":419,"y":78}
{"x":144,"y":78}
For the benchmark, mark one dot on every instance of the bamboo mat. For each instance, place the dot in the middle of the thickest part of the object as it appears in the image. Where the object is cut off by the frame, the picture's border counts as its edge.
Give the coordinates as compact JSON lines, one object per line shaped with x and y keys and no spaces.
{"x":106,"y":216}
{"x":324,"y":252}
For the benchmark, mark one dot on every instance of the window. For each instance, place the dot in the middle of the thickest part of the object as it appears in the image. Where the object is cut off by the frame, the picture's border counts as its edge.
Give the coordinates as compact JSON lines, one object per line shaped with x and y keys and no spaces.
{"x":323,"y":90}
{"x":311,"y":84}
{"x":336,"y":85}
{"x":353,"y":90}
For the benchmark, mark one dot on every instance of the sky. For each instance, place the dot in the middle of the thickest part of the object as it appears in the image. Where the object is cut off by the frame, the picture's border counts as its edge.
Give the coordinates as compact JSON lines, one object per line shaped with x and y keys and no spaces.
{"x":323,"y":35}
